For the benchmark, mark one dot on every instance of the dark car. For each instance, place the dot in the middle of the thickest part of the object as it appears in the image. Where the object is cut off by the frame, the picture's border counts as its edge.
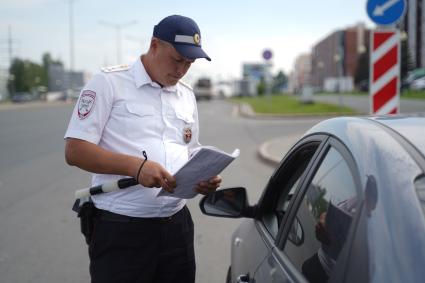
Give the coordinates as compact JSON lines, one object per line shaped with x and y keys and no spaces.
{"x":20,"y":97}
{"x":346,"y":204}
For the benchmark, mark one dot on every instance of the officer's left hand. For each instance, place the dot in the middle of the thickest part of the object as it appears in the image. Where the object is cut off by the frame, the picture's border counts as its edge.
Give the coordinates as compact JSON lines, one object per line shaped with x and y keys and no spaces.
{"x":210,"y":186}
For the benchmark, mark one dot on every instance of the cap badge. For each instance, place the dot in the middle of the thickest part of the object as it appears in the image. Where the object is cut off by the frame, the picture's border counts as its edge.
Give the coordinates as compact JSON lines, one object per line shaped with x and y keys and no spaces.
{"x":197,"y":38}
{"x":187,"y":135}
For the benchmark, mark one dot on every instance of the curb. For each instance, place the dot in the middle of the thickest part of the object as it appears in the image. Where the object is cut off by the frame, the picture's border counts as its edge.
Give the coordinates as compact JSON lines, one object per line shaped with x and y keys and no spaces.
{"x":284,"y":144}
{"x":246,"y":111}
{"x":265,"y":156}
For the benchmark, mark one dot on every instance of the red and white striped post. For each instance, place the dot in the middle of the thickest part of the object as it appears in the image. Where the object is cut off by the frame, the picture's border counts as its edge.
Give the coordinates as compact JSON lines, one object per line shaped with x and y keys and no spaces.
{"x":384,"y":90}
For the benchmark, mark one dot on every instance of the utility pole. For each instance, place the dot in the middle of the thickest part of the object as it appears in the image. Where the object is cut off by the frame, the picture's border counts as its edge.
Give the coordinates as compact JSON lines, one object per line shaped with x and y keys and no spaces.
{"x":7,"y":51}
{"x":71,"y":35}
{"x":118,"y":27}
{"x":9,"y":43}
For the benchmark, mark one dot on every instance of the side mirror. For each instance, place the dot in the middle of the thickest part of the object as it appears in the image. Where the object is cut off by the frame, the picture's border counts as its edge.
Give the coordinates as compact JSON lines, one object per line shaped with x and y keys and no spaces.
{"x":231,"y":202}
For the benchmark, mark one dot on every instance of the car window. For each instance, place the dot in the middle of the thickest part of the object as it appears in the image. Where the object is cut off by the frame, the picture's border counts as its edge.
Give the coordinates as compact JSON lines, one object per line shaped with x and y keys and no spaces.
{"x":284,"y":185}
{"x":323,"y":218}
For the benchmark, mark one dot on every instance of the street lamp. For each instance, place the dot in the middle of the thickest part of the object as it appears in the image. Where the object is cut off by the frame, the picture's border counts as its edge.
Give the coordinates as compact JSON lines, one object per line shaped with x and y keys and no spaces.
{"x":320,"y":66}
{"x":338,"y":62}
{"x":118,"y":28}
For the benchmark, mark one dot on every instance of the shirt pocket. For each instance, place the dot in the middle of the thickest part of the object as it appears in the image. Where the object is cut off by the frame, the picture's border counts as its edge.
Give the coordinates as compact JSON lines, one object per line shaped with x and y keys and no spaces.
{"x":140,"y":121}
{"x":185,"y":116}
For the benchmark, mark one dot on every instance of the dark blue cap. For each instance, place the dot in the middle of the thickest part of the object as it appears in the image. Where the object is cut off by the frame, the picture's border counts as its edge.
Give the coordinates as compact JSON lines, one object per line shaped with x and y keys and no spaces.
{"x":183,"y":33}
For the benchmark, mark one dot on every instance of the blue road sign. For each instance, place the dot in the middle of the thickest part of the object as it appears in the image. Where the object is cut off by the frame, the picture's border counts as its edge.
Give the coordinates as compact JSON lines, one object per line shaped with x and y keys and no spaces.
{"x":385,"y":12}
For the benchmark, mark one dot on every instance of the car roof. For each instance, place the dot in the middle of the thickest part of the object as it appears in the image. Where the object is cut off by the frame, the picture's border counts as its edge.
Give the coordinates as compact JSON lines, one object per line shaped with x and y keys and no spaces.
{"x":410,"y":127}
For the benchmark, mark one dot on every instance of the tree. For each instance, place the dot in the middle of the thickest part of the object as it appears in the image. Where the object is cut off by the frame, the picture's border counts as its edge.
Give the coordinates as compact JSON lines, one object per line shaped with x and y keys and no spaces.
{"x":261,"y":87}
{"x":362,"y":71}
{"x":406,"y":60}
{"x":25,"y":76}
{"x":279,"y":81}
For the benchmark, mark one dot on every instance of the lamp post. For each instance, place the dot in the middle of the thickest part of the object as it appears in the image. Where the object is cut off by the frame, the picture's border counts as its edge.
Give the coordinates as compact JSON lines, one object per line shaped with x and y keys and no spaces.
{"x":320,"y":67}
{"x":118,"y":27}
{"x":338,"y":64}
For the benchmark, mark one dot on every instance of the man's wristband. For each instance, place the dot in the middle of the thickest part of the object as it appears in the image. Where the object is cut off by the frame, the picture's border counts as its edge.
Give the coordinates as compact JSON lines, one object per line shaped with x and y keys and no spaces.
{"x":141,"y":166}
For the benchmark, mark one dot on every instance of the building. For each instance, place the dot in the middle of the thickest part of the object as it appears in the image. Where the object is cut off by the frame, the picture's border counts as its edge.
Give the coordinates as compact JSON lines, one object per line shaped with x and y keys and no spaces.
{"x":414,"y":26}
{"x":61,"y":80}
{"x":300,"y":75}
{"x":334,"y":59}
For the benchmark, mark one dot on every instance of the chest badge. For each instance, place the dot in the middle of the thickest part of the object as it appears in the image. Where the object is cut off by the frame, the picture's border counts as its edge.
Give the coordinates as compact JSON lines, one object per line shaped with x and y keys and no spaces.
{"x":187,"y":134}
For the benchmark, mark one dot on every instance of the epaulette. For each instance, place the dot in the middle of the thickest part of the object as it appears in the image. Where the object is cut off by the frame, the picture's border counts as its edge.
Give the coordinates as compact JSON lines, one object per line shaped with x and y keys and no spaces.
{"x":186,"y":85}
{"x":116,"y":68}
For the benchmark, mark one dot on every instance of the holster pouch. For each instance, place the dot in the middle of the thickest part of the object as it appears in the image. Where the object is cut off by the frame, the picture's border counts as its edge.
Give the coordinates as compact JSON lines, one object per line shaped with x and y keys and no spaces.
{"x":86,"y":213}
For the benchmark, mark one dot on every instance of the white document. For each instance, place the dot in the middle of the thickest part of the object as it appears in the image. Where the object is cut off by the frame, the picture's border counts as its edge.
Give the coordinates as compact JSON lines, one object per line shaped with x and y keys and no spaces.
{"x":205,"y":163}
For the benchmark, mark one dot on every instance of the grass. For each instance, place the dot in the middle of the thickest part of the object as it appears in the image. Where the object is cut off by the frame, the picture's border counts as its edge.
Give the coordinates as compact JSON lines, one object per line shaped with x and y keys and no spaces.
{"x":282,"y":104}
{"x":408,"y":93}
{"x":416,"y":94}
{"x":359,"y":93}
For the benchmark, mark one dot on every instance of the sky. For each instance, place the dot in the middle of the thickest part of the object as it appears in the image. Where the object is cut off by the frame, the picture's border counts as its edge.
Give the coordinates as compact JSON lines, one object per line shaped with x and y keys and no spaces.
{"x":233,"y":32}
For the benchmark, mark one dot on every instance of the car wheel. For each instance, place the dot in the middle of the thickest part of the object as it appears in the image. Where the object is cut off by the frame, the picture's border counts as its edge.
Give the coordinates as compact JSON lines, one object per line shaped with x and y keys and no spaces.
{"x":229,"y":275}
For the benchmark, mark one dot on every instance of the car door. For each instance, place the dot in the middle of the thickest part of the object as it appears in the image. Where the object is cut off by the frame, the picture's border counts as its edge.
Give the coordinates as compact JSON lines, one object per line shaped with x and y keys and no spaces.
{"x":247,"y":256}
{"x":319,"y":212}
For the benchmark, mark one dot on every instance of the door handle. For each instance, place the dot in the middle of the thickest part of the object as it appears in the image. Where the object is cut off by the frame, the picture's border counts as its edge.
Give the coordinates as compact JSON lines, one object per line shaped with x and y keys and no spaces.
{"x":243,"y":278}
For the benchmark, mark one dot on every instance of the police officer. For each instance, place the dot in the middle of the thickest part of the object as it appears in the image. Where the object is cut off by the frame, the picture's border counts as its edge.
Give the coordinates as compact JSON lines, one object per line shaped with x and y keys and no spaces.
{"x":122,"y":112}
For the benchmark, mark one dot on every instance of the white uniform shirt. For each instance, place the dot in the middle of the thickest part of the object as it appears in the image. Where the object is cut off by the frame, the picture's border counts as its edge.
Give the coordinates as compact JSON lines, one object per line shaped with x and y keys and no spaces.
{"x":123,"y":110}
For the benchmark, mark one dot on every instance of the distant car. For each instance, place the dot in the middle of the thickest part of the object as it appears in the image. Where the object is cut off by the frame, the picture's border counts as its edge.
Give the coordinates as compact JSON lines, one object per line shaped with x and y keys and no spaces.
{"x":411,"y":77}
{"x":418,"y":84}
{"x":203,"y":89}
{"x":346,"y":204}
{"x":363,"y":85}
{"x":20,"y":97}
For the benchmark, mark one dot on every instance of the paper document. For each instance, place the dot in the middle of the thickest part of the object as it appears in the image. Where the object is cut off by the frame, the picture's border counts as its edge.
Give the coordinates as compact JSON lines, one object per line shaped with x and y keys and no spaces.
{"x":205,"y":163}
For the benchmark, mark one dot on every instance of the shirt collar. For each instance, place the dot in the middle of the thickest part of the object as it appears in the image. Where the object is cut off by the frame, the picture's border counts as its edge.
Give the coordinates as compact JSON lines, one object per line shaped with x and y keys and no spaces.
{"x":141,"y":77}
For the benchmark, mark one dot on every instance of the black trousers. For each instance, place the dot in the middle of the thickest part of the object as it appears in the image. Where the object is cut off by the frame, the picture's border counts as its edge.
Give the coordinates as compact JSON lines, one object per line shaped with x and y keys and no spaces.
{"x":126,"y":249}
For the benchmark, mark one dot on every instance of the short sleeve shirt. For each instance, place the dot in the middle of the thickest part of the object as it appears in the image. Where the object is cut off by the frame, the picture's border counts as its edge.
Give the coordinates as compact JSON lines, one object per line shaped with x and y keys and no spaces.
{"x":122,"y":110}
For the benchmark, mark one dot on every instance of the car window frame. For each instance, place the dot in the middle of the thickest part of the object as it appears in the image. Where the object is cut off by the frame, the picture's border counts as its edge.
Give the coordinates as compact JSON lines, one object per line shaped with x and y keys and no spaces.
{"x":271,"y":189}
{"x":282,"y":237}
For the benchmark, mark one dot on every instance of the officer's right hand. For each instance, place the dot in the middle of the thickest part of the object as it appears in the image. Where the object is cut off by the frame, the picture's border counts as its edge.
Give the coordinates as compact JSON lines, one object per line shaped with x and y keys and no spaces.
{"x":154,"y":175}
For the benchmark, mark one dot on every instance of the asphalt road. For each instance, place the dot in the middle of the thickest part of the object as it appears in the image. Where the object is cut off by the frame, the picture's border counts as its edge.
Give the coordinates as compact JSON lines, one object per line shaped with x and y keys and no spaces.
{"x":40,"y":239}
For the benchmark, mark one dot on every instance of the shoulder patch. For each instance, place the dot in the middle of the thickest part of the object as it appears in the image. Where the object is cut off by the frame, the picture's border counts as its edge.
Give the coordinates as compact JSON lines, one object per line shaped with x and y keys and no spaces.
{"x":86,"y":103}
{"x":116,"y":68}
{"x":186,"y":85}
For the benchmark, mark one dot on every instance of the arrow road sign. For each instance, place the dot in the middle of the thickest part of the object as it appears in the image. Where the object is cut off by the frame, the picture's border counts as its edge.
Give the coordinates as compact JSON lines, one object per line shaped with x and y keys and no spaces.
{"x":386,"y":12}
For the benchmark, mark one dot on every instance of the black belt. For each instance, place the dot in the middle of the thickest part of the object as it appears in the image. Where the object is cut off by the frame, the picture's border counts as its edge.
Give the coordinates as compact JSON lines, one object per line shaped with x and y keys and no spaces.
{"x":114,"y":217}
